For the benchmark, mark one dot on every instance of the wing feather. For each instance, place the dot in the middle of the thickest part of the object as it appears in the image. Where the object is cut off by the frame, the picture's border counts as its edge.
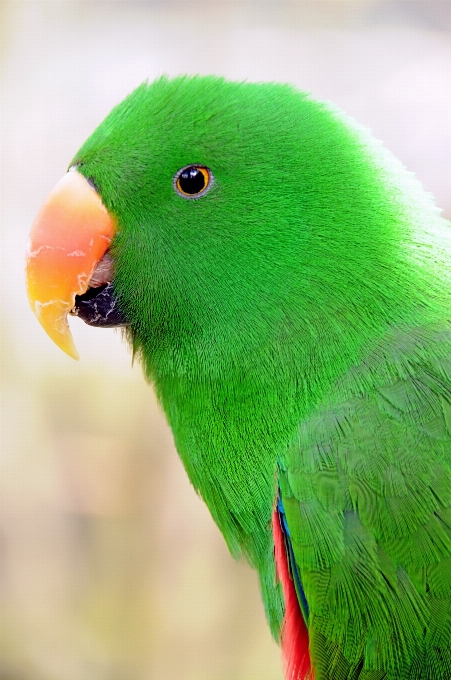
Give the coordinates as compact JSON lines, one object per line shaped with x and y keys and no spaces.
{"x":366,"y":487}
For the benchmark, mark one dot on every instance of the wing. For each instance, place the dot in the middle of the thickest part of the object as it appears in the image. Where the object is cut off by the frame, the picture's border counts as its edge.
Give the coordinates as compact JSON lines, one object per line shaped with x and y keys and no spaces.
{"x":366,"y":490}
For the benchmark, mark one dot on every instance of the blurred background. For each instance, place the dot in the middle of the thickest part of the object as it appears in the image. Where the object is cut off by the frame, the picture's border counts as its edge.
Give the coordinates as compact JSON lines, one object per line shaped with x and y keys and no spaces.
{"x":111,"y":567}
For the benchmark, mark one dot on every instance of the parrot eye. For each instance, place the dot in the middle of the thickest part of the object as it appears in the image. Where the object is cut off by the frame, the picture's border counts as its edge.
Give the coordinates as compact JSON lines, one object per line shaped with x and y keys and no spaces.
{"x":193,"y":181}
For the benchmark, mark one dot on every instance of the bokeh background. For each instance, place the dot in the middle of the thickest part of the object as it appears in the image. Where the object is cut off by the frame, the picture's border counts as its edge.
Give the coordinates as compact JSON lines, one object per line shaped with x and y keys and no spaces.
{"x":111,"y":567}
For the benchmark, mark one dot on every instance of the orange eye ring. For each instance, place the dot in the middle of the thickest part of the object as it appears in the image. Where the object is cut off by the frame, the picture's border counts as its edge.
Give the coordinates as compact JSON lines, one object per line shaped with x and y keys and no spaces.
{"x":193,"y":181}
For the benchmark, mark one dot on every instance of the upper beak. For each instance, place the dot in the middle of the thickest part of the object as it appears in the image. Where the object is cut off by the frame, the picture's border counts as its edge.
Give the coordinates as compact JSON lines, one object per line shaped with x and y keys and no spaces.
{"x":69,"y":236}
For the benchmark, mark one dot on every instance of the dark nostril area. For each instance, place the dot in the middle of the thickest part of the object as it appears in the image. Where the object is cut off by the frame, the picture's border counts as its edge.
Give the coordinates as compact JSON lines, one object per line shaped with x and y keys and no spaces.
{"x":89,"y":180}
{"x":91,"y":183}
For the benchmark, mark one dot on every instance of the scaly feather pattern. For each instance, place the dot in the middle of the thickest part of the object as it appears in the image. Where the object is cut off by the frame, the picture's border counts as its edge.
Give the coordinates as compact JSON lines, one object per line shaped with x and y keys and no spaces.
{"x":295,"y":322}
{"x":373,"y":462}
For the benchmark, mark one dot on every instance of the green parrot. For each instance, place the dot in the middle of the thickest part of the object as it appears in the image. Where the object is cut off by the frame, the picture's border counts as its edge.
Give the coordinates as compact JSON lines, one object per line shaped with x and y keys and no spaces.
{"x":286,"y":285}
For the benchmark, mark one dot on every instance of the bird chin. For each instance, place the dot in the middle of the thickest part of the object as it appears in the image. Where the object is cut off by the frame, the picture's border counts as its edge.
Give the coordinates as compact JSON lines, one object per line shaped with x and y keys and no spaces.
{"x":99,"y":307}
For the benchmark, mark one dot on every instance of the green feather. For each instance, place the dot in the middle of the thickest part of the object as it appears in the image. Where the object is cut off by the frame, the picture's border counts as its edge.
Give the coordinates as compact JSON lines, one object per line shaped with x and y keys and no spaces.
{"x":383,"y":575}
{"x":295,"y":324}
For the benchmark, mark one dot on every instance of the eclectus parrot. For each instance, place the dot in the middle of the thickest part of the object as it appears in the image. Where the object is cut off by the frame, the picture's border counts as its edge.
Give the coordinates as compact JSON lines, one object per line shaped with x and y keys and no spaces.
{"x":286,"y":284}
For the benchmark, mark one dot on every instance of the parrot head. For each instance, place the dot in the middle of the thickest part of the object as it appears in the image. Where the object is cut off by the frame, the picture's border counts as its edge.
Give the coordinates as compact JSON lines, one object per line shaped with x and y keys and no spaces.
{"x":210,"y":218}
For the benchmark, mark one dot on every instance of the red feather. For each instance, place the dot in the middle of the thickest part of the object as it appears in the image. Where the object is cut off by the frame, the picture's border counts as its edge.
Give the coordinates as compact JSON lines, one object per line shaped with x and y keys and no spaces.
{"x":295,"y":642}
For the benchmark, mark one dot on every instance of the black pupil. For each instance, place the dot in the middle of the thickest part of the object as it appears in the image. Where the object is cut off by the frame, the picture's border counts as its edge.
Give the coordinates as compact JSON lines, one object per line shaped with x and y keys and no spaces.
{"x":192,"y":181}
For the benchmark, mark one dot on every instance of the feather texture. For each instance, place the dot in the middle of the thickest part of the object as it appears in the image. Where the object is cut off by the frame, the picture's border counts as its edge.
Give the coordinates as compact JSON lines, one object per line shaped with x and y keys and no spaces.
{"x":367,"y":494}
{"x":295,"y":322}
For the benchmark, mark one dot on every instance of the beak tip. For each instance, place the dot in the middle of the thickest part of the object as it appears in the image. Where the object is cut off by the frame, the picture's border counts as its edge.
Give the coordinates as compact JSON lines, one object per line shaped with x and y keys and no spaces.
{"x":66,"y":344}
{"x":56,"y":326}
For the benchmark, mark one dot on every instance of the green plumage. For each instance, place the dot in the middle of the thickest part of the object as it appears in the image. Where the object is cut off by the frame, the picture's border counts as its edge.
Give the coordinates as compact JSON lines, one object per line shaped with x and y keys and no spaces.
{"x":295,"y":322}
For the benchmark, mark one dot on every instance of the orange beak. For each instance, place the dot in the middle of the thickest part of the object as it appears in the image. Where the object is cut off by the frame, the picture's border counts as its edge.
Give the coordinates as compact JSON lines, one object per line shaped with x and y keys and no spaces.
{"x":69,"y":236}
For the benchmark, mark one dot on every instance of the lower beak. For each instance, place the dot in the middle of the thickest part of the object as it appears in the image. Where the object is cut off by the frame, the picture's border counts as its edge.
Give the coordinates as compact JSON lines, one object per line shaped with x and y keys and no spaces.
{"x":69,"y":236}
